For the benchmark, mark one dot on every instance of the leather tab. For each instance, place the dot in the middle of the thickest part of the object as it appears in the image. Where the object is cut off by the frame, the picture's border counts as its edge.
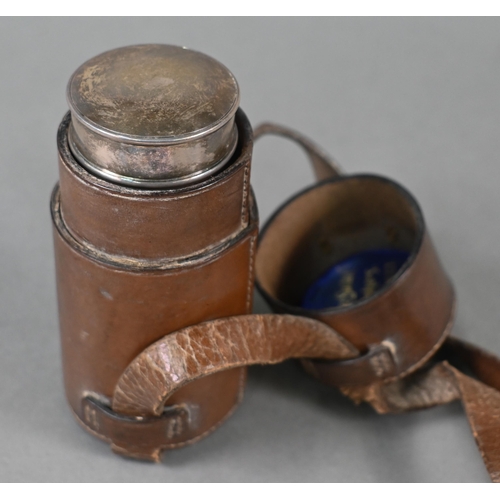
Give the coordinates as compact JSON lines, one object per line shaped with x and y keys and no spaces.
{"x":137,"y":437}
{"x":377,"y":364}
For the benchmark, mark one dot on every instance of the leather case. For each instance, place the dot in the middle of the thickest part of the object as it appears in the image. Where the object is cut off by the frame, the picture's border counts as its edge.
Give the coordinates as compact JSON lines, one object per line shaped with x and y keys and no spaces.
{"x":155,"y":294}
{"x":134,"y":265}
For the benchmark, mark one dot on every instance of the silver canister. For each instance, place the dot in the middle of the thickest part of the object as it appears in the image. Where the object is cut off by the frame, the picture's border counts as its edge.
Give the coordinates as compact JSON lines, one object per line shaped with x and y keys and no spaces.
{"x":153,"y":116}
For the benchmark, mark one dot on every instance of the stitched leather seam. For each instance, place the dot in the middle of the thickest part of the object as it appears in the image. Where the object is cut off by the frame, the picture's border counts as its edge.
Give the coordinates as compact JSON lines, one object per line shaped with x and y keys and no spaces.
{"x":214,"y":427}
{"x":250,"y":275}
{"x":244,"y":204}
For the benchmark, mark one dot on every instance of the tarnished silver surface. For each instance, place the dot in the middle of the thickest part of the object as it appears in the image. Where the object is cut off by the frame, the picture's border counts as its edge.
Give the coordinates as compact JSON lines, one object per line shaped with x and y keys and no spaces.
{"x":153,"y":115}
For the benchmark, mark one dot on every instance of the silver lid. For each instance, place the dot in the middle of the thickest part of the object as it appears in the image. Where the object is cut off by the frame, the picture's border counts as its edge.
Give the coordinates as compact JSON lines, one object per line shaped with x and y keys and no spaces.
{"x":153,"y":115}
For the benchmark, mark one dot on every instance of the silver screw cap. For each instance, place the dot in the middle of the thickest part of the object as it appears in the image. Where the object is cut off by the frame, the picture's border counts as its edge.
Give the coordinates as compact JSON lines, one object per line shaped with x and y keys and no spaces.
{"x":153,"y":116}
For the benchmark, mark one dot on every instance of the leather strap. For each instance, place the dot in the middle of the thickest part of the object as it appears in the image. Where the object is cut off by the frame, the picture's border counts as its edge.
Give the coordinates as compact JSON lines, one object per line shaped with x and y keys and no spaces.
{"x":323,"y":166}
{"x":211,"y":347}
{"x":141,"y":424}
{"x":459,"y":370}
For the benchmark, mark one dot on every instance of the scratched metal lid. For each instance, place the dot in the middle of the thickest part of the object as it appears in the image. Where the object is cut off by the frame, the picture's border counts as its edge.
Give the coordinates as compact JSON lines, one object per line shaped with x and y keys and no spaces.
{"x":153,"y":115}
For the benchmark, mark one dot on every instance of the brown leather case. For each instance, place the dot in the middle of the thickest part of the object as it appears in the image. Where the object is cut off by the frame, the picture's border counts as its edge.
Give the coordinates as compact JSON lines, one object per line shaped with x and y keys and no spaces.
{"x":134,"y":265}
{"x":155,"y":288}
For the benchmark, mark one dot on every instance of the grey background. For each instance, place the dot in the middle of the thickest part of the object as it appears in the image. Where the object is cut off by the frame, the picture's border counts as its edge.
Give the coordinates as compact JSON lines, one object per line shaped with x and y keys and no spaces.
{"x":414,"y":99}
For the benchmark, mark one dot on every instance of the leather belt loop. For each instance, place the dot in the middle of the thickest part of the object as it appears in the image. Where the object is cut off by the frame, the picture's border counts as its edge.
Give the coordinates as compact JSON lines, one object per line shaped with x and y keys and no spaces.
{"x":376,"y":364}
{"x":137,"y":437}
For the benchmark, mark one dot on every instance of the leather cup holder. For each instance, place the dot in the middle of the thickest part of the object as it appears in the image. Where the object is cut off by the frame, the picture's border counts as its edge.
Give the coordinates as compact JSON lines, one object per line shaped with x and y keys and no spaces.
{"x":359,"y":245}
